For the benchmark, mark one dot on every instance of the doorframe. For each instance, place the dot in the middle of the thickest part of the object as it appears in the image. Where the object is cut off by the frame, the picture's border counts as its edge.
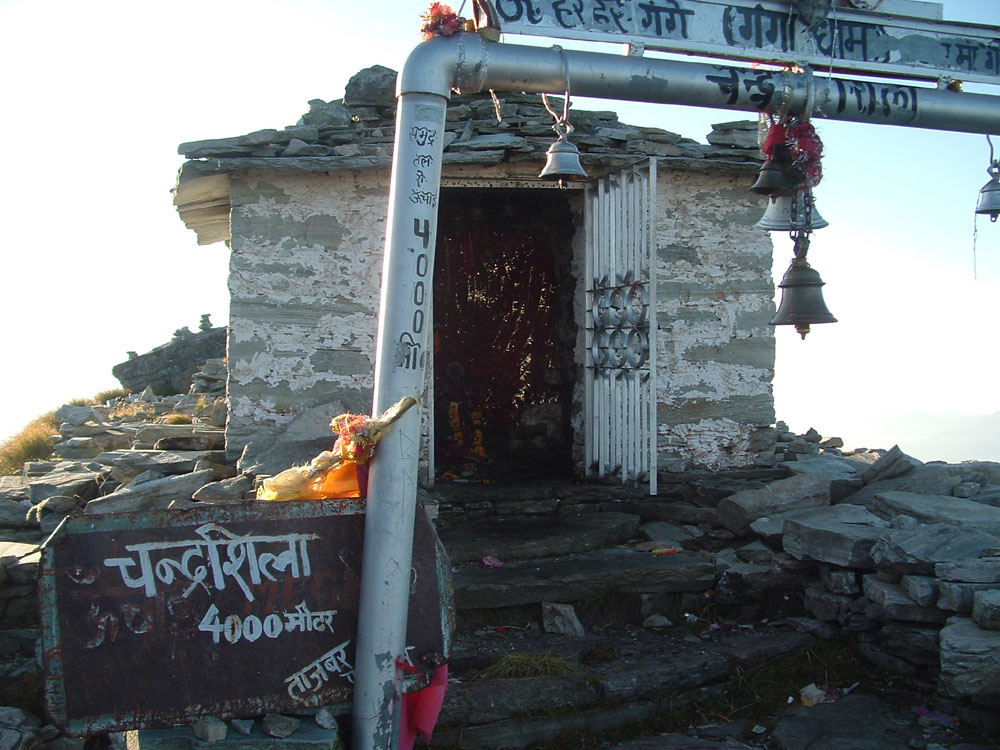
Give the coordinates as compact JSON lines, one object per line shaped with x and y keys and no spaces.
{"x":472,"y":183}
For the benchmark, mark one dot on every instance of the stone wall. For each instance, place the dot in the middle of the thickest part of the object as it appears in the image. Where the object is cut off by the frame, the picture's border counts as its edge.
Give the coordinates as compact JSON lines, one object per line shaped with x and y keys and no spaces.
{"x":304,"y":284}
{"x":715,"y":346}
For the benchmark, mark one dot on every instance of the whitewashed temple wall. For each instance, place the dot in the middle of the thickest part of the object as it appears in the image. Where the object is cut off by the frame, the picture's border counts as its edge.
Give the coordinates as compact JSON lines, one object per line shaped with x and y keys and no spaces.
{"x":715,"y":346}
{"x":304,"y":284}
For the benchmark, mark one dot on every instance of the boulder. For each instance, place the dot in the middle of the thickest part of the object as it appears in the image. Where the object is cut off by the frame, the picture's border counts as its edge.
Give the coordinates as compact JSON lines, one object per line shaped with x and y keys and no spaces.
{"x":959,"y":597}
{"x":127,"y":465}
{"x":970,"y":659}
{"x":986,"y":609}
{"x":921,"y":589}
{"x":918,"y":550}
{"x":153,"y":495}
{"x":896,"y":605}
{"x":227,"y":490}
{"x":844,"y":474}
{"x":304,"y":438}
{"x":374,"y":86}
{"x":740,"y":509}
{"x":69,"y":479}
{"x":168,"y":369}
{"x":76,"y":415}
{"x":893,"y":464}
{"x":561,"y":619}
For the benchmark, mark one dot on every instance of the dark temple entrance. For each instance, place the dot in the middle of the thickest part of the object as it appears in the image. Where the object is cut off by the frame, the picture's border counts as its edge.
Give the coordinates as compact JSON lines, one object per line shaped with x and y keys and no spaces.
{"x":503,"y":335}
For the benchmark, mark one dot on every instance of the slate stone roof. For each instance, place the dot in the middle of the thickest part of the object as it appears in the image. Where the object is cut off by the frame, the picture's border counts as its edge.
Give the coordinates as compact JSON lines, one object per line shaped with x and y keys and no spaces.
{"x":356,"y":133}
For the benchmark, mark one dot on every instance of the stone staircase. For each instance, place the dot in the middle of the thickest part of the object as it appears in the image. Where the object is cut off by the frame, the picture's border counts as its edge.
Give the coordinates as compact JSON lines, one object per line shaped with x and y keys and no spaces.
{"x":591,"y":550}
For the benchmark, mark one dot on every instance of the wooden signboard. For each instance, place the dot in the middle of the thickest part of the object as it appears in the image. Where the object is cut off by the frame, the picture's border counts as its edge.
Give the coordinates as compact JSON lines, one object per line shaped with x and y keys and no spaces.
{"x":157,"y":618}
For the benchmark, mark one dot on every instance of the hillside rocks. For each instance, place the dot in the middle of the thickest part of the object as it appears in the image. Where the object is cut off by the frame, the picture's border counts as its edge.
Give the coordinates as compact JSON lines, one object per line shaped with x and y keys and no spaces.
{"x":169,"y":368}
{"x":826,"y":544}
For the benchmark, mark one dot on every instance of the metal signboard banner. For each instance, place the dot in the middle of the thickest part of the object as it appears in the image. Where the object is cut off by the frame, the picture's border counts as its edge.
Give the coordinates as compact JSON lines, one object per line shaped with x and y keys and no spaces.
{"x":157,"y":618}
{"x":845,"y":40}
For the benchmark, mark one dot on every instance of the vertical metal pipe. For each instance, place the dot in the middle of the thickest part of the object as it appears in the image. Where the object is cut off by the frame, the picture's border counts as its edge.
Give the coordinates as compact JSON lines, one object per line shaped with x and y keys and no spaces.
{"x":404,"y":321}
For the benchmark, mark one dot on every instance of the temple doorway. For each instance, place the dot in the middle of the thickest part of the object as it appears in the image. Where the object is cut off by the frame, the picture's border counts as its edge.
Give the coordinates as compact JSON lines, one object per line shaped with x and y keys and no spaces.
{"x":503,"y":335}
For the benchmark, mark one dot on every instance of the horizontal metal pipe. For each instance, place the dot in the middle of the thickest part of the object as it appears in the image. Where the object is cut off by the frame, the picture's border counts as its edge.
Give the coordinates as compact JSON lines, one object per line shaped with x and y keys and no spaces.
{"x":475,"y":65}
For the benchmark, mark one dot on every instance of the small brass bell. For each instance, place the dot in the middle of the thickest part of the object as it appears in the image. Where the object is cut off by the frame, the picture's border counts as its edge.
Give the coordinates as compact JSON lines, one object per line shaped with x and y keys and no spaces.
{"x":778,"y":215}
{"x":562,"y":162}
{"x":801,"y":298}
{"x":772,"y":180}
{"x":989,"y":196}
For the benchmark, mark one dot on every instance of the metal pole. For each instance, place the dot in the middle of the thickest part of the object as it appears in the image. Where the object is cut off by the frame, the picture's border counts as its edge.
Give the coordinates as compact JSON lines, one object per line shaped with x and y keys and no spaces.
{"x":477,"y":65}
{"x":468,"y":63}
{"x":399,"y":371}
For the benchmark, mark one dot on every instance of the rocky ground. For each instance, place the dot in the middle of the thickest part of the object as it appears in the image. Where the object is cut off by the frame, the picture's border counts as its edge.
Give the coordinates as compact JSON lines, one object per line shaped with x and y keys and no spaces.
{"x":836,"y":600}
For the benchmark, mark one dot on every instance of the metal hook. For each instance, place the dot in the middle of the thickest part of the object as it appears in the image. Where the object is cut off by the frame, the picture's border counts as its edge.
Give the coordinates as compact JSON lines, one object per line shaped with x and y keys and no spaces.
{"x":564,"y":120}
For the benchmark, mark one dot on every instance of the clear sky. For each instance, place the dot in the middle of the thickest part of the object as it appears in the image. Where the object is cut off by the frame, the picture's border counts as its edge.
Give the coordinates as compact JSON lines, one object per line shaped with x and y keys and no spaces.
{"x":96,"y":96}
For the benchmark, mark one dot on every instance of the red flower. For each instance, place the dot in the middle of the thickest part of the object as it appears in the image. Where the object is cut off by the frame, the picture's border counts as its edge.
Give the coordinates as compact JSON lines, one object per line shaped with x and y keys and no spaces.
{"x":440,"y":20}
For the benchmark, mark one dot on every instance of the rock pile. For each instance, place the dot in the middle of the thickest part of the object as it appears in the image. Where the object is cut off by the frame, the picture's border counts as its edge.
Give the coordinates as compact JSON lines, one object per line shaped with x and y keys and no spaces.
{"x":899,"y":556}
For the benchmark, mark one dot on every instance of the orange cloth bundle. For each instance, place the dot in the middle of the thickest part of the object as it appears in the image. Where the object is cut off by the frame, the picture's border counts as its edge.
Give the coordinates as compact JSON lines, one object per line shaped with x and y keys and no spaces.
{"x":342,"y":472}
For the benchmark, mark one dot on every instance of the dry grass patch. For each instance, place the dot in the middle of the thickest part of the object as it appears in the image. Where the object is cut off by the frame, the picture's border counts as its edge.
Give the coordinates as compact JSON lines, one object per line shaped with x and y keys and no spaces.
{"x":529,"y":665}
{"x":33,"y":443}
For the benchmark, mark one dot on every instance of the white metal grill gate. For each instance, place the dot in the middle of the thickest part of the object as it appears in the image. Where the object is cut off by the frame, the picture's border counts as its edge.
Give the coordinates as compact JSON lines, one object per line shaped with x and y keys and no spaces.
{"x":620,"y":388}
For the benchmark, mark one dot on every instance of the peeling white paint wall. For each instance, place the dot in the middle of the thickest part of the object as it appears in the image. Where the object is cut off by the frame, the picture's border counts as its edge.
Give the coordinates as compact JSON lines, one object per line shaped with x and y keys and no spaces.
{"x":304,"y":283}
{"x":715,"y":347}
{"x":305,"y":275}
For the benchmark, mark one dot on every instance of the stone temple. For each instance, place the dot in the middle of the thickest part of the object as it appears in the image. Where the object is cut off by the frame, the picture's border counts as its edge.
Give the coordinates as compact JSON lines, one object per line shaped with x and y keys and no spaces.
{"x":611,"y":329}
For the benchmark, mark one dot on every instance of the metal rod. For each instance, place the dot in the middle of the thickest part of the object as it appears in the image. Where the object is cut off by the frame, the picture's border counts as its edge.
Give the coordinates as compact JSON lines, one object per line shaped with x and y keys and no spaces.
{"x":400,"y":359}
{"x":477,"y":65}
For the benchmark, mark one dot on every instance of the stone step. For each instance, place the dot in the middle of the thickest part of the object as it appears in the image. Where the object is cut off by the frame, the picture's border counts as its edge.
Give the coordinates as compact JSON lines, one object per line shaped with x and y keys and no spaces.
{"x":647,"y":666}
{"x":574,"y":577}
{"x":520,"y":537}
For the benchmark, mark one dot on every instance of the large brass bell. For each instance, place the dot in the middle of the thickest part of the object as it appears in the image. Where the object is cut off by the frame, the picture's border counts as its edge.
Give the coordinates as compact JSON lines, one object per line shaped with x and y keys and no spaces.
{"x":989,"y":196}
{"x":772,"y":180}
{"x":562,"y":162}
{"x":801,"y":298}
{"x":778,"y":215}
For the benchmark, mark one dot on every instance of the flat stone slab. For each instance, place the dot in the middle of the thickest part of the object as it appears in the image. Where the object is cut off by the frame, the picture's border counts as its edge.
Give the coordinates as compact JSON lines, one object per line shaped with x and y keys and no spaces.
{"x":918,"y":550}
{"x":574,"y":577}
{"x":845,"y":544}
{"x":939,"y":509}
{"x":519,"y":538}
{"x":982,"y":570}
{"x":740,"y":509}
{"x":772,"y":527}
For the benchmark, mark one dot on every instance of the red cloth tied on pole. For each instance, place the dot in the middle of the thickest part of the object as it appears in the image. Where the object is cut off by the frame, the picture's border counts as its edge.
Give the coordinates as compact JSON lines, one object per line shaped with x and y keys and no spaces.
{"x":419,"y":711}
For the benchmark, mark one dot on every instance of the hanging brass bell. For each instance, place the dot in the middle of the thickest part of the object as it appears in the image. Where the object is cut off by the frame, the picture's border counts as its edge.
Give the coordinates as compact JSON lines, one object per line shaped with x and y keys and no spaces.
{"x":772,"y":180}
{"x":801,"y":298}
{"x":989,"y":196}
{"x":562,"y":162}
{"x":778,"y":215}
